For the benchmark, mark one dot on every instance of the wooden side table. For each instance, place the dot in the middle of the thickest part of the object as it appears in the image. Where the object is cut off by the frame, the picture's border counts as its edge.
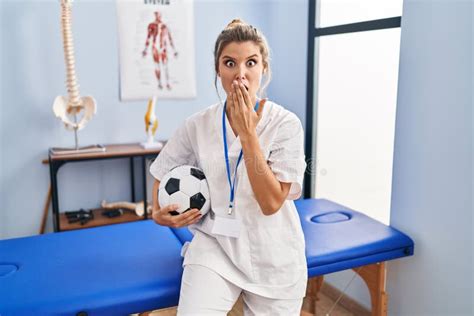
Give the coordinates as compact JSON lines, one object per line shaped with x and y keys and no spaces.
{"x":112,"y":151}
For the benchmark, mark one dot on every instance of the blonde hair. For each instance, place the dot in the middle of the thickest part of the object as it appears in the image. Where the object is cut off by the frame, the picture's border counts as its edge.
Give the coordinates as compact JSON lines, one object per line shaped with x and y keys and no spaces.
{"x":239,"y":31}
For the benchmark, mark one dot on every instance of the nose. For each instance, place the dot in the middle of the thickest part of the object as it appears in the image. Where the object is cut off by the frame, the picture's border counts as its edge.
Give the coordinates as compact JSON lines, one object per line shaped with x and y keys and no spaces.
{"x":241,"y":72}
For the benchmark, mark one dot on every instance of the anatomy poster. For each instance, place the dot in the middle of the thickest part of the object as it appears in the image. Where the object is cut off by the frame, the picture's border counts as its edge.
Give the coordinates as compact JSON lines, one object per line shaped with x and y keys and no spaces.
{"x":156,"y":49}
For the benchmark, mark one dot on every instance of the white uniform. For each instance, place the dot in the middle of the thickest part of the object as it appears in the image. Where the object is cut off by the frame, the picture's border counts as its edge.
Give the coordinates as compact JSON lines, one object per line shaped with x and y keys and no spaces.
{"x":268,"y":258}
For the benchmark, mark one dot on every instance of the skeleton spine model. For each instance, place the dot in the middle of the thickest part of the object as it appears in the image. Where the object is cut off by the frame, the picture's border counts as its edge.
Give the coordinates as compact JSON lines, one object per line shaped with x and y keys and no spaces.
{"x":64,"y":107}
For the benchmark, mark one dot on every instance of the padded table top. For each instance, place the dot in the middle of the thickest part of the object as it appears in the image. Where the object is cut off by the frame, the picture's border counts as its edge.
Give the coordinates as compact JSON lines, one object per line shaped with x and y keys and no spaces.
{"x":338,"y":238}
{"x":113,"y":270}
{"x":134,"y":267}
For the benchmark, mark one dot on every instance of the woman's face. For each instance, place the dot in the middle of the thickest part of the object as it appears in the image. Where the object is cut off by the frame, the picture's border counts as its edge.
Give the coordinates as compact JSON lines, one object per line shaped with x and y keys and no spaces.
{"x":241,"y":61}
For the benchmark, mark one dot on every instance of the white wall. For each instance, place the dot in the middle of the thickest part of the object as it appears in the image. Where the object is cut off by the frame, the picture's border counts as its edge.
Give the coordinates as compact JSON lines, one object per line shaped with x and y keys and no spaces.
{"x":287,"y":33}
{"x":432,"y":174}
{"x":33,"y":74}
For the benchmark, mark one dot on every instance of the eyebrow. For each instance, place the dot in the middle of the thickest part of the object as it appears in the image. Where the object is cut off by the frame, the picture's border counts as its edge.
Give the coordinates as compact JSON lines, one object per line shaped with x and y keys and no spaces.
{"x":254,"y":55}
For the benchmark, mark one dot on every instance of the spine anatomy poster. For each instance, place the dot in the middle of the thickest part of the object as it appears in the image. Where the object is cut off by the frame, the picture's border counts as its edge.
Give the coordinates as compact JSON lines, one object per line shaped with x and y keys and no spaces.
{"x":156,"y":49}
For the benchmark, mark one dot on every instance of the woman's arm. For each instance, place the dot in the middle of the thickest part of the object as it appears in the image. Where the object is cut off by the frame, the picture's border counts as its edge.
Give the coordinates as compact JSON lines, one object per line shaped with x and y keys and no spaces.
{"x":269,"y":192}
{"x":163,"y":217}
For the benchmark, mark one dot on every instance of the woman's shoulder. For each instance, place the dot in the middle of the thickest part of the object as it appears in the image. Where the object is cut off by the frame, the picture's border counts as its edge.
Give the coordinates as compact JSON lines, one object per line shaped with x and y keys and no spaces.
{"x":280,"y":114}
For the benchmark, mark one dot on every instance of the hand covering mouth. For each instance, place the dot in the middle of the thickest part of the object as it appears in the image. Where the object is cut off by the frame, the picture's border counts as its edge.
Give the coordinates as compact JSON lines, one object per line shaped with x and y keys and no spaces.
{"x":245,"y":85}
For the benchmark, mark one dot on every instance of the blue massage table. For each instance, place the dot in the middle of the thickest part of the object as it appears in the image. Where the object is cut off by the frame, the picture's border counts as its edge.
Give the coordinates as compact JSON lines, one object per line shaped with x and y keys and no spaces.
{"x":136,"y":267}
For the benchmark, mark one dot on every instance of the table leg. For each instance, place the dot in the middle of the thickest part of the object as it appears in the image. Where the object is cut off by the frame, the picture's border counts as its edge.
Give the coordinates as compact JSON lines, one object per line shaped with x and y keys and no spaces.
{"x":53,"y":171}
{"x":132,"y":179}
{"x":374,"y":276}
{"x":145,"y":206}
{"x":312,"y":291}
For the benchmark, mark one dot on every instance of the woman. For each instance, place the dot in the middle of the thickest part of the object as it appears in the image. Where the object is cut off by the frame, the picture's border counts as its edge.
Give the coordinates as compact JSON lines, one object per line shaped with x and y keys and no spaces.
{"x":251,"y":151}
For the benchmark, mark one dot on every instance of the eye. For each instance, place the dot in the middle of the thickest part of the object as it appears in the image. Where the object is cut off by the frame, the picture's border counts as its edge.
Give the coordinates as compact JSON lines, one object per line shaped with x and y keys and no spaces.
{"x":251,"y":62}
{"x":229,"y":63}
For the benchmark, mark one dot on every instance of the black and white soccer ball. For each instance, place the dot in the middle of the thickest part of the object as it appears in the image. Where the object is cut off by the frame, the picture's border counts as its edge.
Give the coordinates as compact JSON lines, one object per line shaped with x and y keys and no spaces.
{"x":186,"y":186}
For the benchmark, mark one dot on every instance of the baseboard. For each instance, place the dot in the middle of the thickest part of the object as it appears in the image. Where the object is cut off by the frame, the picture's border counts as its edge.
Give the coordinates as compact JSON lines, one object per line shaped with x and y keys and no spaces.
{"x":346,"y":302}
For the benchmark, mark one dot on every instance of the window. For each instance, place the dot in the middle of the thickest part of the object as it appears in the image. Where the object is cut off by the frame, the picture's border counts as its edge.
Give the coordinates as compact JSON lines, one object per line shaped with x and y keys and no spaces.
{"x":337,"y":12}
{"x":351,"y":105}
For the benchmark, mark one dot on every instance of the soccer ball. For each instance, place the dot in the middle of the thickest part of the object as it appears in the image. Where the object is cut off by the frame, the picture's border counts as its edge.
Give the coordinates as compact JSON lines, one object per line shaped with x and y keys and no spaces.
{"x":186,"y":186}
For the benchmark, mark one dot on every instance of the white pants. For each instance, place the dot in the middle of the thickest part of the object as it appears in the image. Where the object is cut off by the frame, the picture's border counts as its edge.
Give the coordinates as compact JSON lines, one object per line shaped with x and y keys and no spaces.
{"x":206,"y":293}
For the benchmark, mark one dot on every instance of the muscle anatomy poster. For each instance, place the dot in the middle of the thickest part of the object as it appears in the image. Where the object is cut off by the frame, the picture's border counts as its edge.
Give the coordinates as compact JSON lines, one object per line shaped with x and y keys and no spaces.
{"x":156,"y":49}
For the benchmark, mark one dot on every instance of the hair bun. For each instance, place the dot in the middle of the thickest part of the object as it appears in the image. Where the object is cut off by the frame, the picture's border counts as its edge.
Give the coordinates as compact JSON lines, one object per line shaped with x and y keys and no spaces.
{"x":235,"y":22}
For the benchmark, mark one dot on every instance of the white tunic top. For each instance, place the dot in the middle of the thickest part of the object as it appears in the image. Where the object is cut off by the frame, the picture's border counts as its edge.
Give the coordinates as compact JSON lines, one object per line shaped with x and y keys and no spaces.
{"x":268,"y":258}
